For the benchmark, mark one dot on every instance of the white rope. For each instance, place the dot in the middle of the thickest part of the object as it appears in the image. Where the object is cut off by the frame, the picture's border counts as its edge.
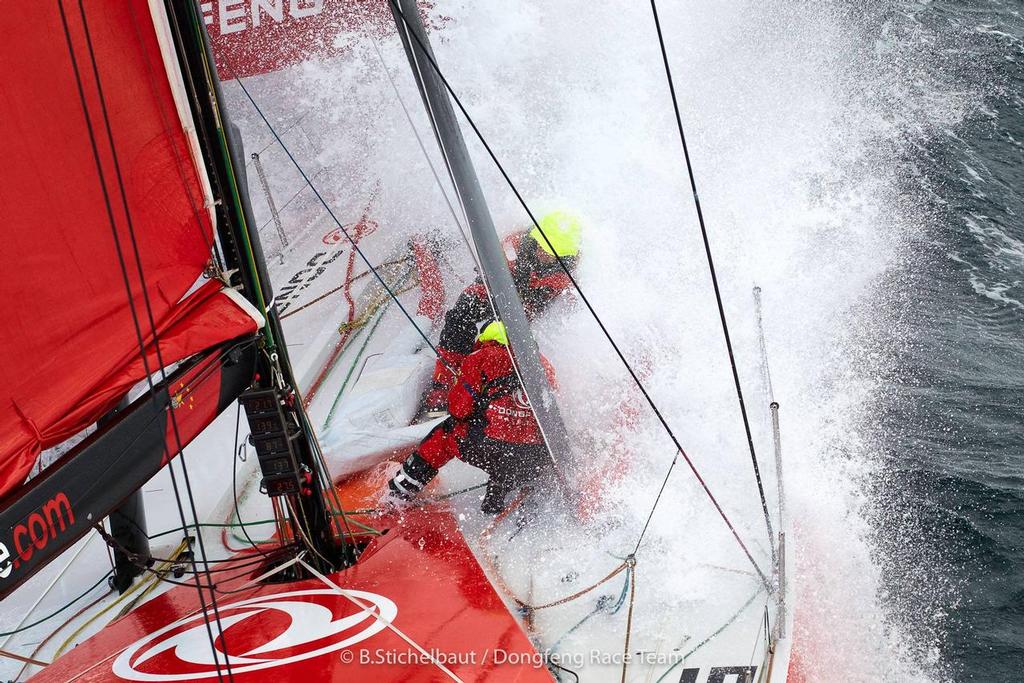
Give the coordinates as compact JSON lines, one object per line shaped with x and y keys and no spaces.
{"x":266,"y":575}
{"x":369,"y":610}
{"x":42,"y":596}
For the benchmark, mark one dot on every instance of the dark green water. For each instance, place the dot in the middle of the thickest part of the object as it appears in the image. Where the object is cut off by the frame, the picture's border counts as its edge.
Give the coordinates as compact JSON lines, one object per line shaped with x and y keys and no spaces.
{"x":950,"y":520}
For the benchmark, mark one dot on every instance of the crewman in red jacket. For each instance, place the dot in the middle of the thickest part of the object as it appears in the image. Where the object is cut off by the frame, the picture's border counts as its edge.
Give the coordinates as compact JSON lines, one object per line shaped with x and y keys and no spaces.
{"x":490,"y":425}
{"x":538,"y":278}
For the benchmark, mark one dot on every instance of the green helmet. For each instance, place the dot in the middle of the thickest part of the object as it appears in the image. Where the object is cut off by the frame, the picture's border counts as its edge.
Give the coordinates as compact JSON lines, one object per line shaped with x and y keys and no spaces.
{"x":494,"y":332}
{"x":562,"y":231}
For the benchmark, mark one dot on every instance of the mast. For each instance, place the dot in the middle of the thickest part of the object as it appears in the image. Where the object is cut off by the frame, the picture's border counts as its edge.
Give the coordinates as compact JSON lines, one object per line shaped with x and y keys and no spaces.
{"x":281,"y":433}
{"x":497,"y":278}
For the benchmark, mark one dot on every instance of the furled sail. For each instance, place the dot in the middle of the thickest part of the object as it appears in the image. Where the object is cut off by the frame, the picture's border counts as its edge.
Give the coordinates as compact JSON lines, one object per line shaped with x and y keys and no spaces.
{"x":107,"y":226}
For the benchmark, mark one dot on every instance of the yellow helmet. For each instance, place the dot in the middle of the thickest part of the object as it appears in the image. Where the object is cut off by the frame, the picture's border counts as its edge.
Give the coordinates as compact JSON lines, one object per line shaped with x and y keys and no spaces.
{"x":562,"y":231}
{"x":495,"y":332}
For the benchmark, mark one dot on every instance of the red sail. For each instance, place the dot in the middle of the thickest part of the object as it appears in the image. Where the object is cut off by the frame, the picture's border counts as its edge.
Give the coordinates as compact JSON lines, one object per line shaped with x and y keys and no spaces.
{"x":101,"y":197}
{"x":252,"y":37}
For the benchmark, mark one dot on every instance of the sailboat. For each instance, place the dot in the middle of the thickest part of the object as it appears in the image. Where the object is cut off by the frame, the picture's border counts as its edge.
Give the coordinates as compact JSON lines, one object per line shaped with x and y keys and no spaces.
{"x":174,"y":321}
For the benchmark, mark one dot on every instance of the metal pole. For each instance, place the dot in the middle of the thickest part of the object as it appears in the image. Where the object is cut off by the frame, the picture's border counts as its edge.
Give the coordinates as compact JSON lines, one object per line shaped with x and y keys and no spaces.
{"x":773,"y":406}
{"x":128,"y":528}
{"x":777,"y":444}
{"x":270,"y":201}
{"x":504,"y":297}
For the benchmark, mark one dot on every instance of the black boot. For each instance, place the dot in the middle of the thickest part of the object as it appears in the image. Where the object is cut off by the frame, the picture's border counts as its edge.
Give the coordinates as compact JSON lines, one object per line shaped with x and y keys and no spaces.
{"x":410,"y":479}
{"x":494,"y":498}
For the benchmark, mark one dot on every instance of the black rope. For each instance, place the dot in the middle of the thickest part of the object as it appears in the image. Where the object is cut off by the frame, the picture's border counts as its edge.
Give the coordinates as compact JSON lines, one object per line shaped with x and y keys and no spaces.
{"x":561,"y":262}
{"x":180,"y":449}
{"x":153,"y":328}
{"x":124,"y":270}
{"x":567,"y":670}
{"x":714,"y":281}
{"x":59,"y":610}
{"x":236,"y":562}
{"x":355,"y":246}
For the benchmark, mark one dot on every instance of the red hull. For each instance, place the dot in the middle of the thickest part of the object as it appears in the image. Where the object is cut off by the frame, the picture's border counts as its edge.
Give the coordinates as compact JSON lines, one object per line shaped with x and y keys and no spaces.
{"x":421,"y":571}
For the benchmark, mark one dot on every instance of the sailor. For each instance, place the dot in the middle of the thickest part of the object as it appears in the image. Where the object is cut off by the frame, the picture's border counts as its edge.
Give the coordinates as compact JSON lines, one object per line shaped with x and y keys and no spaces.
{"x":538,"y":278}
{"x":490,"y":426}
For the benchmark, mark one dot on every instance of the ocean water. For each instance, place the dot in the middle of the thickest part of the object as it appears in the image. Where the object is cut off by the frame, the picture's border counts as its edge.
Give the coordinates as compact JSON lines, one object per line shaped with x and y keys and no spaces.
{"x":948,"y":519}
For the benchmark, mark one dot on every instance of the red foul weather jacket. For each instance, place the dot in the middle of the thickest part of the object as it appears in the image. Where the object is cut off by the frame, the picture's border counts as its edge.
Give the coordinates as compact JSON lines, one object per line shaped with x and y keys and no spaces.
{"x":538,"y":285}
{"x":489,"y":388}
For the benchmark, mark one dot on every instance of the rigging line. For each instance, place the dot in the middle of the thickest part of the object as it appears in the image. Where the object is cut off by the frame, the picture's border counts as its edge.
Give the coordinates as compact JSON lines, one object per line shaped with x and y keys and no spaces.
{"x":35,"y":623}
{"x":149,"y":310}
{"x":330,"y":211}
{"x":46,"y":591}
{"x":212,"y":525}
{"x":367,"y":609}
{"x":423,"y":149}
{"x":23,"y":659}
{"x":566,"y":670}
{"x":711,"y":637}
{"x":287,"y":130}
{"x":81,"y":610}
{"x":323,"y":474}
{"x":234,"y":483}
{"x":145,"y":294}
{"x":629,"y":621}
{"x":714,"y":282}
{"x":162,"y":370}
{"x":236,"y":561}
{"x":602,"y":606}
{"x":287,"y":203}
{"x":757,"y":638}
{"x":216,"y":587}
{"x":657,"y":499}
{"x":561,"y":262}
{"x":110,"y":215}
{"x":765,"y":370}
{"x":140,"y":587}
{"x":302,"y":524}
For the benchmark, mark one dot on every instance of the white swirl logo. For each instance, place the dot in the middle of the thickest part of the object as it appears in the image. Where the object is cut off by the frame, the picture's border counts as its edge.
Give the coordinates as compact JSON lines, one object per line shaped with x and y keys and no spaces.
{"x":279,"y":629}
{"x":520,"y":399}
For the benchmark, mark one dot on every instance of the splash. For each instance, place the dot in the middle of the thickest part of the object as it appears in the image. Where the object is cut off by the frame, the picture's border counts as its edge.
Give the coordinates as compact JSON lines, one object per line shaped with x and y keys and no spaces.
{"x":804,"y":120}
